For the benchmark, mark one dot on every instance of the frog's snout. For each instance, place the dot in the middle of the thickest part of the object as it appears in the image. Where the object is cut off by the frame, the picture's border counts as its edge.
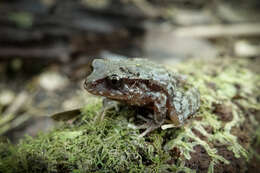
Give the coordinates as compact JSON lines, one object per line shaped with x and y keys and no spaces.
{"x":85,"y":85}
{"x":88,"y":85}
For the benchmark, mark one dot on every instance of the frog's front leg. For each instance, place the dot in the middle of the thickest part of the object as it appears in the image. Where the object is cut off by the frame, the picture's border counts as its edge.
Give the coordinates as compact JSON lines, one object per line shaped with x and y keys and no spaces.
{"x":159,"y":116}
{"x":107,"y":105}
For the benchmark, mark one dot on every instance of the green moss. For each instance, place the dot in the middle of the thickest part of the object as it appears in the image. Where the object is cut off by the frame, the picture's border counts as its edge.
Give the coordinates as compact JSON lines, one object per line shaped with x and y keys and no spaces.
{"x":113,"y":144}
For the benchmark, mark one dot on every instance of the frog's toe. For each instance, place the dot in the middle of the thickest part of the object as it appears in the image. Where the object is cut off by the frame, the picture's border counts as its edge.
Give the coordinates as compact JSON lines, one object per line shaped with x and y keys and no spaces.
{"x":143,"y":118}
{"x":145,"y":125}
{"x":152,"y":126}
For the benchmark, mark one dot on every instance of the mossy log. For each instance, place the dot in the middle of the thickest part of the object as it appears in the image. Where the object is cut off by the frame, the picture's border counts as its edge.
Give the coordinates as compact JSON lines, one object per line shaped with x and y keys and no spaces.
{"x":221,"y":137}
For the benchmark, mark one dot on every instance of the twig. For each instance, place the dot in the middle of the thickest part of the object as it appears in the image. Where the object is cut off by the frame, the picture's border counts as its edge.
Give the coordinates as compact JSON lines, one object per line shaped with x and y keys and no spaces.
{"x":244,"y":48}
{"x":17,"y":104}
{"x":15,"y":123}
{"x":167,"y":126}
{"x":62,"y":53}
{"x":146,"y":7}
{"x":11,"y":111}
{"x":212,"y":31}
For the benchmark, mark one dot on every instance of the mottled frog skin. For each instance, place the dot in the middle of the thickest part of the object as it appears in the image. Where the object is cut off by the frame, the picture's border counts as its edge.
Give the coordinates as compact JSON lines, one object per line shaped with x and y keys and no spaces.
{"x":143,"y":83}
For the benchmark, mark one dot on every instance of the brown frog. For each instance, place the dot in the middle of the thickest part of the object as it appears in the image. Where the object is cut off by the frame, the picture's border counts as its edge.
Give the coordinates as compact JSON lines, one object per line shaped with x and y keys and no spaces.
{"x":143,"y":83}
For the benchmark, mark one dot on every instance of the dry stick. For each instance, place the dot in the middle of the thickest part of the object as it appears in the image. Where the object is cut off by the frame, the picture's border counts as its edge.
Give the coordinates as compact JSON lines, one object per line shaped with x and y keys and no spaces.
{"x":10,"y":112}
{"x":146,"y":7}
{"x":42,"y":53}
{"x":213,"y":31}
{"x":246,"y":49}
{"x":15,"y":123}
{"x":17,"y":104}
{"x":10,"y":119}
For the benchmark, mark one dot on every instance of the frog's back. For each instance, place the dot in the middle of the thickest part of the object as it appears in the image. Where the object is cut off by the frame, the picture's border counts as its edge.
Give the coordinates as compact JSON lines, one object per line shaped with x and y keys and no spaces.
{"x":138,"y":68}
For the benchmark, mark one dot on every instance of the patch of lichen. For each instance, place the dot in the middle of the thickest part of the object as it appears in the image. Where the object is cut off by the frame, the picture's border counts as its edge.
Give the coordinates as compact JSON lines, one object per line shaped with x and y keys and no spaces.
{"x":113,"y":145}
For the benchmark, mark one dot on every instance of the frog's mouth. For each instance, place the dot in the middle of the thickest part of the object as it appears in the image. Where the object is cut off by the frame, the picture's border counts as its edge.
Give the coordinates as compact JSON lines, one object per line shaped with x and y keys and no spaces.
{"x":107,"y":89}
{"x":99,"y":87}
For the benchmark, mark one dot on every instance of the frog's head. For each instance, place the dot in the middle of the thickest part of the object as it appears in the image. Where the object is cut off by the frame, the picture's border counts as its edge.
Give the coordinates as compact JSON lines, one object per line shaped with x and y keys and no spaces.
{"x":110,"y":79}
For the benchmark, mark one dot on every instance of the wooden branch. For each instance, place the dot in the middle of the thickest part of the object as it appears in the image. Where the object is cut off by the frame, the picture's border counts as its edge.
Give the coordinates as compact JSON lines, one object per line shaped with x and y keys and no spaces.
{"x":60,"y":52}
{"x":213,"y":31}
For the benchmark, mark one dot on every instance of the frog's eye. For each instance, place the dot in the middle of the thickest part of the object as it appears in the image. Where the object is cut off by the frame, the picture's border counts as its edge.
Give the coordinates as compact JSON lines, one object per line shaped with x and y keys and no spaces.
{"x":114,"y":81}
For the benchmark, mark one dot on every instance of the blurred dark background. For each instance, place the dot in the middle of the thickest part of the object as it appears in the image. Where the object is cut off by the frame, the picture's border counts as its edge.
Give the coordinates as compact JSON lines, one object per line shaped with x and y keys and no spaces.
{"x":46,"y":46}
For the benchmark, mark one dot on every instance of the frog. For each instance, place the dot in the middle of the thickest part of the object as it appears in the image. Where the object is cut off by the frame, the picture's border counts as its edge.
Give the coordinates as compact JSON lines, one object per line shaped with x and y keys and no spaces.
{"x":146,"y":84}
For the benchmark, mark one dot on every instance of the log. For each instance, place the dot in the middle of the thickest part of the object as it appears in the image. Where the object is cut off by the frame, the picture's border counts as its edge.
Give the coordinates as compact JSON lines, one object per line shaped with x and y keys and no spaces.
{"x":221,"y":137}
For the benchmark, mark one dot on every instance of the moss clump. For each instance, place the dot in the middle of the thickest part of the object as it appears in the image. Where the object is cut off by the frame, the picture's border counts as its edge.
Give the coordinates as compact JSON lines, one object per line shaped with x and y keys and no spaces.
{"x":87,"y":146}
{"x":113,"y":145}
